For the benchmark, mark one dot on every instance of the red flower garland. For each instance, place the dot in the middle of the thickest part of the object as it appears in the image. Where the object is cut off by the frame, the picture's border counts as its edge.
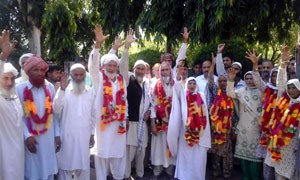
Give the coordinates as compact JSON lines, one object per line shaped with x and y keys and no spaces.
{"x":31,"y":112}
{"x":163,"y":107}
{"x":221,"y":113}
{"x":196,"y":120}
{"x":110,"y":112}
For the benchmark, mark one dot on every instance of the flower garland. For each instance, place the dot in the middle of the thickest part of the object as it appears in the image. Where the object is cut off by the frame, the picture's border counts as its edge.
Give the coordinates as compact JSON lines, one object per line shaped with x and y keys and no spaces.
{"x":163,"y":107}
{"x":31,"y":112}
{"x":284,"y":131}
{"x":282,"y":105}
{"x":221,"y":113}
{"x":111,"y":112}
{"x":268,"y":103}
{"x":196,"y":119}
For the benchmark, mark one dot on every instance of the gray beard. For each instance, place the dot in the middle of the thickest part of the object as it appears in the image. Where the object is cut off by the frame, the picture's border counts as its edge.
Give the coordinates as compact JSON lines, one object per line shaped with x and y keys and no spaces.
{"x":8,"y":94}
{"x":24,"y":75}
{"x":165,"y":79}
{"x":110,"y":75}
{"x":78,"y":88}
{"x":139,"y":78}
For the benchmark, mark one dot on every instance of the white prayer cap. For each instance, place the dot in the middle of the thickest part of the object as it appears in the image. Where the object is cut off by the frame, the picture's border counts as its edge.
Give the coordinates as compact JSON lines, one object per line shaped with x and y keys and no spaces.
{"x":27,"y":55}
{"x":77,"y":66}
{"x":109,"y":57}
{"x":239,"y":64}
{"x":9,"y":68}
{"x":139,"y":62}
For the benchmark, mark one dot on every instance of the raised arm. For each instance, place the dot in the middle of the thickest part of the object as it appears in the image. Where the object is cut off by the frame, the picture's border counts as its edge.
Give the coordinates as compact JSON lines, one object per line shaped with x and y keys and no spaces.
{"x":282,"y":74}
{"x":183,"y":49}
{"x":259,"y":83}
{"x":94,"y":57}
{"x":219,"y":61}
{"x":117,"y":44}
{"x":210,"y":77}
{"x":124,"y":63}
{"x":230,"y":83}
{"x":6,"y":46}
{"x":59,"y":99}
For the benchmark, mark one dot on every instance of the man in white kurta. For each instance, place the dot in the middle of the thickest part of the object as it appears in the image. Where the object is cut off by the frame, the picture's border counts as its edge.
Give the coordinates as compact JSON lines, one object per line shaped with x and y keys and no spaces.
{"x":74,"y":103}
{"x":11,"y":112}
{"x":110,"y":145}
{"x":40,"y":157}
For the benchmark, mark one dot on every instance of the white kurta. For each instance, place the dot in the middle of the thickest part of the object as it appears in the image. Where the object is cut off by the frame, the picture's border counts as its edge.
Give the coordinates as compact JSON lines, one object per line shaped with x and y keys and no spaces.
{"x":108,"y":143}
{"x":11,"y":140}
{"x":77,"y":125}
{"x":191,"y":161}
{"x":43,"y":163}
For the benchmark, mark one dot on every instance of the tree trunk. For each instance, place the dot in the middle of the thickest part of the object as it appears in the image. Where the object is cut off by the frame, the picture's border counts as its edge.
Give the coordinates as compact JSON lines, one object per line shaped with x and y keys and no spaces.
{"x":35,"y":40}
{"x":168,"y":46}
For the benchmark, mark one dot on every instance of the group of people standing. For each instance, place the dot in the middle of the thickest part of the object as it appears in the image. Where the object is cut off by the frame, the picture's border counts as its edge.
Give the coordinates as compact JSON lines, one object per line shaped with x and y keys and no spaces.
{"x":52,"y":126}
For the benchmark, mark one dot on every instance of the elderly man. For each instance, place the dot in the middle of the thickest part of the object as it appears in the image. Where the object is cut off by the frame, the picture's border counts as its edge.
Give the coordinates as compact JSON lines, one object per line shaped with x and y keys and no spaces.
{"x":138,"y":113}
{"x":75,"y":102}
{"x":22,"y":60}
{"x":41,"y":126}
{"x":110,"y":110}
{"x":11,"y":132}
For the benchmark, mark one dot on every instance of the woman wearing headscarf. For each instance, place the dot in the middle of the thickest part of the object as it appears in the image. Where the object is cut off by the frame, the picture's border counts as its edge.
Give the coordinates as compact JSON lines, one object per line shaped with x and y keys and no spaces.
{"x":248,"y":128}
{"x":189,"y":131}
{"x":284,"y":130}
{"x":221,"y":109}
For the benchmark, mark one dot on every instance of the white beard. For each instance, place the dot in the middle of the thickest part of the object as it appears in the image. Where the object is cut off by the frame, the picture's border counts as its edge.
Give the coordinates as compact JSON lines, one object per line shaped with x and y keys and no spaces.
{"x":8,"y":94}
{"x":139,"y":78}
{"x":78,"y":88}
{"x":24,"y":75}
{"x":165,"y":79}
{"x":110,"y":75}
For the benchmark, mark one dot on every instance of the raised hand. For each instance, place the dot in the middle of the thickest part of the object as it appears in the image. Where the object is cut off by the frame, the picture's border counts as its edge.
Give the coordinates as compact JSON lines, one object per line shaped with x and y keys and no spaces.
{"x":231,"y":74}
{"x":185,"y":34}
{"x":5,"y":44}
{"x":251,"y":55}
{"x":129,"y":38}
{"x":117,"y":43}
{"x":64,"y":81}
{"x":221,"y":47}
{"x":213,"y":59}
{"x":285,"y":54}
{"x":99,"y":36}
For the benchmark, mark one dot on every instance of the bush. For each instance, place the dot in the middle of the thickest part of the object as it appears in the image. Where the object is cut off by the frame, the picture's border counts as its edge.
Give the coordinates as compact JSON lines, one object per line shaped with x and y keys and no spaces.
{"x":149,"y":55}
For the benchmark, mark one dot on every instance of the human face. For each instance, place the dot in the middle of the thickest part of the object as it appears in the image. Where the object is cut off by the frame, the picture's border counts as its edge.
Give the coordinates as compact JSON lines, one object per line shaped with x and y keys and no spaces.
{"x":78,"y":75}
{"x":111,"y":67}
{"x":259,"y":68}
{"x":36,"y":73}
{"x":236,"y":68}
{"x":227,"y":61}
{"x":249,"y":80}
{"x":205,"y":67}
{"x":191,"y":85}
{"x":197,"y":69}
{"x":185,"y":72}
{"x":155,"y":70}
{"x":267,"y":66}
{"x":140,"y":71}
{"x":168,"y":60}
{"x":222,"y":81}
{"x":165,"y":70}
{"x":54,"y":76}
{"x":273,"y":78}
{"x":293,"y":91}
{"x":7,"y":81}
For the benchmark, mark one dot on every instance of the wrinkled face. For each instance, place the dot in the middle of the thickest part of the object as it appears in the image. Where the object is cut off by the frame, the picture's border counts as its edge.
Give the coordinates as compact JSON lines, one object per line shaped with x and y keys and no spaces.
{"x":191,"y":86}
{"x":222,"y":82}
{"x":291,"y":66}
{"x":293,"y":91}
{"x":227,"y":61}
{"x":205,"y":67}
{"x":249,"y":80}
{"x":78,"y":75}
{"x":236,"y":68}
{"x":140,"y":71}
{"x":111,"y":67}
{"x":273,"y":78}
{"x":54,"y":76}
{"x":197,"y":69}
{"x":37,"y":73}
{"x":267,"y":66}
{"x":155,"y":71}
{"x":7,"y":81}
{"x":165,"y":70}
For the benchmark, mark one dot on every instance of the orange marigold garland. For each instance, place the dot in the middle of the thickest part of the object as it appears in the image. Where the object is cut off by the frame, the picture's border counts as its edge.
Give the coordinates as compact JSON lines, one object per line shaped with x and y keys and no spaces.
{"x":284,"y":131}
{"x":196,"y":119}
{"x":268,"y":103}
{"x":41,"y":124}
{"x":163,"y":107}
{"x":221,"y":113}
{"x":111,"y":112}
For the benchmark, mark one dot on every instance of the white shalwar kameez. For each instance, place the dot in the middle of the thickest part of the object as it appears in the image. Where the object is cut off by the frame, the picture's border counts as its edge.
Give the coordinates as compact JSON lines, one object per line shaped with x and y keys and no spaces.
{"x":11,"y":137}
{"x":43,"y":163}
{"x":191,"y":161}
{"x":110,"y":146}
{"x":77,"y":125}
